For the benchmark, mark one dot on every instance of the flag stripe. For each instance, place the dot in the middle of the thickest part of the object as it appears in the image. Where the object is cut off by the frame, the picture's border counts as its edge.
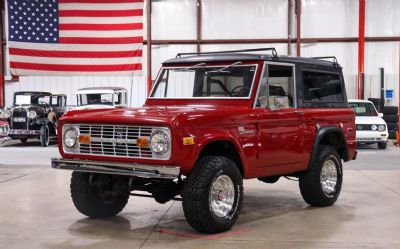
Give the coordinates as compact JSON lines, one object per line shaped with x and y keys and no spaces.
{"x":74,"y":61}
{"x":82,"y":47}
{"x":101,"y":27}
{"x":19,"y":71}
{"x":75,"y":54}
{"x":110,"y":7}
{"x":93,"y":40}
{"x":101,"y":13}
{"x":72,"y":68}
{"x":100,"y":34}
{"x":96,"y":20}
{"x":100,"y":1}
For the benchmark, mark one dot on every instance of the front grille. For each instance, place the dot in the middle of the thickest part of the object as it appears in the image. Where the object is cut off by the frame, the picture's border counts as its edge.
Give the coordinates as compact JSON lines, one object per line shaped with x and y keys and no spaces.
{"x":19,"y":119}
{"x":114,"y":140}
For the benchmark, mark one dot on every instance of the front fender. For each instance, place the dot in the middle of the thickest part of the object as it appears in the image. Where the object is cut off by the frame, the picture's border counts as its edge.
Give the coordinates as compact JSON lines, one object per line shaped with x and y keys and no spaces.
{"x":192,"y":152}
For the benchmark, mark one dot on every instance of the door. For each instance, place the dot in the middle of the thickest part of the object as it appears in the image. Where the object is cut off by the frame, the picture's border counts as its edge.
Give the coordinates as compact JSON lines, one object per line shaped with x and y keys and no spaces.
{"x":279,"y":122}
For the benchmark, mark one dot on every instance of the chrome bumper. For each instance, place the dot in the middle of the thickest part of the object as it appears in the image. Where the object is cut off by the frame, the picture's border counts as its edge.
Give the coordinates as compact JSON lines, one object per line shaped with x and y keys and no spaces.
{"x":138,"y":170}
{"x":24,"y":132}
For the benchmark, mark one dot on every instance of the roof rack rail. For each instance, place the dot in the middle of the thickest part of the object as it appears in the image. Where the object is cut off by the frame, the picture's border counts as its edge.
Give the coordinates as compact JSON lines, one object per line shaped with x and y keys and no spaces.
{"x":335,"y":61}
{"x":274,"y":53}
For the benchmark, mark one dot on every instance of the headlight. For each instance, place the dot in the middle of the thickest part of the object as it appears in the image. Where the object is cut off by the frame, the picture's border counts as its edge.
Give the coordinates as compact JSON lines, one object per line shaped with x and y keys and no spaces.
{"x":381,"y":127}
{"x":70,"y":137}
{"x":374,"y":127}
{"x":32,"y":114}
{"x":159,"y":142}
{"x":7,"y":114}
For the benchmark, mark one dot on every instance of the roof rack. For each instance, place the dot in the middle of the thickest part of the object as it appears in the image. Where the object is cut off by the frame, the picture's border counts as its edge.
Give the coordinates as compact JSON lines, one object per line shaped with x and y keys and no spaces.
{"x":273,"y":51}
{"x":335,"y":61}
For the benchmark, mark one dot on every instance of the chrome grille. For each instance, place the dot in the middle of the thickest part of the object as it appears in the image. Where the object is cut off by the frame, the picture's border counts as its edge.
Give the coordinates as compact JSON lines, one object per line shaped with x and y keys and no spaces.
{"x":19,"y":119}
{"x":114,"y":140}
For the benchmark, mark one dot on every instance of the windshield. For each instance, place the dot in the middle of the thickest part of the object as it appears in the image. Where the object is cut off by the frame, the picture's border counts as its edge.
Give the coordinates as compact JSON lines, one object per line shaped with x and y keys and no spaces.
{"x":32,"y":99}
{"x":118,"y":98}
{"x":232,"y":81}
{"x":363,"y":109}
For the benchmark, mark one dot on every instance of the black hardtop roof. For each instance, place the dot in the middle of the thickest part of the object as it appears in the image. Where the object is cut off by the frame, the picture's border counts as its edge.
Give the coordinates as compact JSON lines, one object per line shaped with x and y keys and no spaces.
{"x":33,"y":92}
{"x":244,"y":55}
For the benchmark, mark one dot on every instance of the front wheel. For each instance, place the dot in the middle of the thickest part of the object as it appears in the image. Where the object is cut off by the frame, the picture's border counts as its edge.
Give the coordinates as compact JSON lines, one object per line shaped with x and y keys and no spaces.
{"x":212,"y":195}
{"x":382,"y":146}
{"x":94,"y":195}
{"x":44,"y":136}
{"x":23,"y":140}
{"x":321,"y":184}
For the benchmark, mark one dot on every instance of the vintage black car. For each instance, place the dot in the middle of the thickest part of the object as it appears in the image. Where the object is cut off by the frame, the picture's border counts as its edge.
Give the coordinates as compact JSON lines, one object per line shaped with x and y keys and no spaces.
{"x":35,"y":115}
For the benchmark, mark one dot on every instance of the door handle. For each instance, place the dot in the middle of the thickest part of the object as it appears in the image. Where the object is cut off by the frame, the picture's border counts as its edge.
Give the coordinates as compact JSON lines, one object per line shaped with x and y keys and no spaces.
{"x":300,"y":113}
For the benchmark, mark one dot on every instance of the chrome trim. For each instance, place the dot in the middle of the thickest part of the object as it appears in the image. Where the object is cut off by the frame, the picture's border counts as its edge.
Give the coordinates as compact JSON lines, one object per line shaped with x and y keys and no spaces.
{"x":206,"y":98}
{"x":127,"y":169}
{"x":107,"y":142}
{"x":23,"y":132}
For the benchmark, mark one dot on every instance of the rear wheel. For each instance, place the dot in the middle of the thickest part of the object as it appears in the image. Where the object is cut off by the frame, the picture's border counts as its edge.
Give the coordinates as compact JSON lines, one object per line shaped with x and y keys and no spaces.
{"x":94,"y":195}
{"x":321,"y":185}
{"x":212,"y":195}
{"x":23,"y":140}
{"x":44,"y":136}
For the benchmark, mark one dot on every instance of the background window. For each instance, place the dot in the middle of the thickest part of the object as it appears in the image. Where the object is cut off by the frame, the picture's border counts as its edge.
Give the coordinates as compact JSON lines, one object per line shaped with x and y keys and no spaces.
{"x":322,"y":87}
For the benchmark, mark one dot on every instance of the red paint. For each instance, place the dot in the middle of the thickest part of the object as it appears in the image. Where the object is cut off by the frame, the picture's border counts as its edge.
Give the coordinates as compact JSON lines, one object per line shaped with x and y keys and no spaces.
{"x":287,"y":136}
{"x":361,"y":44}
{"x":1,"y":88}
{"x":205,"y":237}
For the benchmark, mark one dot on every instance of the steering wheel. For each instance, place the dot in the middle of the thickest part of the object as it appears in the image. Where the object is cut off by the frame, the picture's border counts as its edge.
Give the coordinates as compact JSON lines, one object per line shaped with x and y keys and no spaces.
{"x":236,"y":91}
{"x":42,"y":103}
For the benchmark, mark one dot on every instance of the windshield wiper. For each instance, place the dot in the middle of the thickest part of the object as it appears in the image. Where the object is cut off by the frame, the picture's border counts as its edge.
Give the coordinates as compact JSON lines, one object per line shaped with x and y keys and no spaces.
{"x":222,"y":70}
{"x":191,"y":67}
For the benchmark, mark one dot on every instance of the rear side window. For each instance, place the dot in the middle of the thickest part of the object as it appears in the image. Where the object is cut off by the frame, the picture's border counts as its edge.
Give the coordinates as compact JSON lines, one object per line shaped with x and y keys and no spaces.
{"x":322,"y":87}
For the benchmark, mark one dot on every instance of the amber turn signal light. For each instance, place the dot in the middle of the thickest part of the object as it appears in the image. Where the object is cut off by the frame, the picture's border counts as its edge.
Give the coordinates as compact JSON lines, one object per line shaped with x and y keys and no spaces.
{"x":188,"y":140}
{"x":84,"y":139}
{"x":142,"y":142}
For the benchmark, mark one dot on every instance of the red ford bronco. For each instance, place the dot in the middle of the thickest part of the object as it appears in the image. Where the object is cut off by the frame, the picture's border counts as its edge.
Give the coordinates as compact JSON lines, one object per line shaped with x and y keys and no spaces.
{"x":212,"y":120}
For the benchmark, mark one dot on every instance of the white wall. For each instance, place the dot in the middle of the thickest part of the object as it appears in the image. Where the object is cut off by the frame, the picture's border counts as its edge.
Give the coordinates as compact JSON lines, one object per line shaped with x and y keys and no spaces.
{"x":229,"y":19}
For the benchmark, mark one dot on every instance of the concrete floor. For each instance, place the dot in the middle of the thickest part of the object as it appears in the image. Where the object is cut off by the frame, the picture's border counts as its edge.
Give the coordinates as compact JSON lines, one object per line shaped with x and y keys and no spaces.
{"x":36,"y":210}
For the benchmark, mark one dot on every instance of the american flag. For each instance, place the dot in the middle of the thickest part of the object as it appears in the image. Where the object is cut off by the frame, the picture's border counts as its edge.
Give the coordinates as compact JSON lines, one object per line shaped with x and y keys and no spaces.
{"x":75,"y":37}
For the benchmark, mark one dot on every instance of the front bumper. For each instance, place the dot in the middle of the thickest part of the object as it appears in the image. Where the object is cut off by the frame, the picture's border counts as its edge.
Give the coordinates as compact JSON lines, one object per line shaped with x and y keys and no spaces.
{"x":18,"y":132}
{"x":127,"y":169}
{"x":371,"y":136}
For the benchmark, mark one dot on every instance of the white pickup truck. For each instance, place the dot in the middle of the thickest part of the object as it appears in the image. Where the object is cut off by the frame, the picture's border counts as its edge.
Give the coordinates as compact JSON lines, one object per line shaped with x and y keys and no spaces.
{"x":101,"y":97}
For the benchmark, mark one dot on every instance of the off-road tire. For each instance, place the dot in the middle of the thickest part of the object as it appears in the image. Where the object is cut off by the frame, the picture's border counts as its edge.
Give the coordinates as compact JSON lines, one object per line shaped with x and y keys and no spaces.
{"x":392,"y":134}
{"x":23,"y":140}
{"x":382,"y":146}
{"x":88,"y":202}
{"x":310,"y":182}
{"x":391,"y":118}
{"x":392,"y":126}
{"x":196,"y":194}
{"x":44,"y":136}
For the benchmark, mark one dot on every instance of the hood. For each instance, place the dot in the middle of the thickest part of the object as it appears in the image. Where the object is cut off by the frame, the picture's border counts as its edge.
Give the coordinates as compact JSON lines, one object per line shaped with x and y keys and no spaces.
{"x":369,"y":120}
{"x":152,"y":114}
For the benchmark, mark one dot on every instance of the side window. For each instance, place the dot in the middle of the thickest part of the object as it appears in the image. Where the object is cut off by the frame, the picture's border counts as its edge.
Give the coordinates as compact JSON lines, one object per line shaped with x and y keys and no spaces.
{"x":276,"y":88}
{"x":322,"y":87}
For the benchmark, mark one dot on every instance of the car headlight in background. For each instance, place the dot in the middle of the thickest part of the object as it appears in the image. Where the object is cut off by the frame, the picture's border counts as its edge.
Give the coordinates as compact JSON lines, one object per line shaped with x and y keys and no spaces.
{"x":159,"y":142}
{"x":7,"y":114}
{"x":70,"y":137}
{"x":32,"y":114}
{"x":374,"y":127}
{"x":381,"y":127}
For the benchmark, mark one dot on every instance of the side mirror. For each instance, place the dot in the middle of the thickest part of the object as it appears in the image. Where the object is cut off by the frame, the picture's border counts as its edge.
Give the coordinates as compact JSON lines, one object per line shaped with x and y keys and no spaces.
{"x":380,"y":115}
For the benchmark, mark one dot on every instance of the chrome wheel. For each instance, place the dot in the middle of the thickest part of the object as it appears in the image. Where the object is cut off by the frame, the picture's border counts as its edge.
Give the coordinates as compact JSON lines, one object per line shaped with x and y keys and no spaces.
{"x":329,"y":177}
{"x":222,"y":196}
